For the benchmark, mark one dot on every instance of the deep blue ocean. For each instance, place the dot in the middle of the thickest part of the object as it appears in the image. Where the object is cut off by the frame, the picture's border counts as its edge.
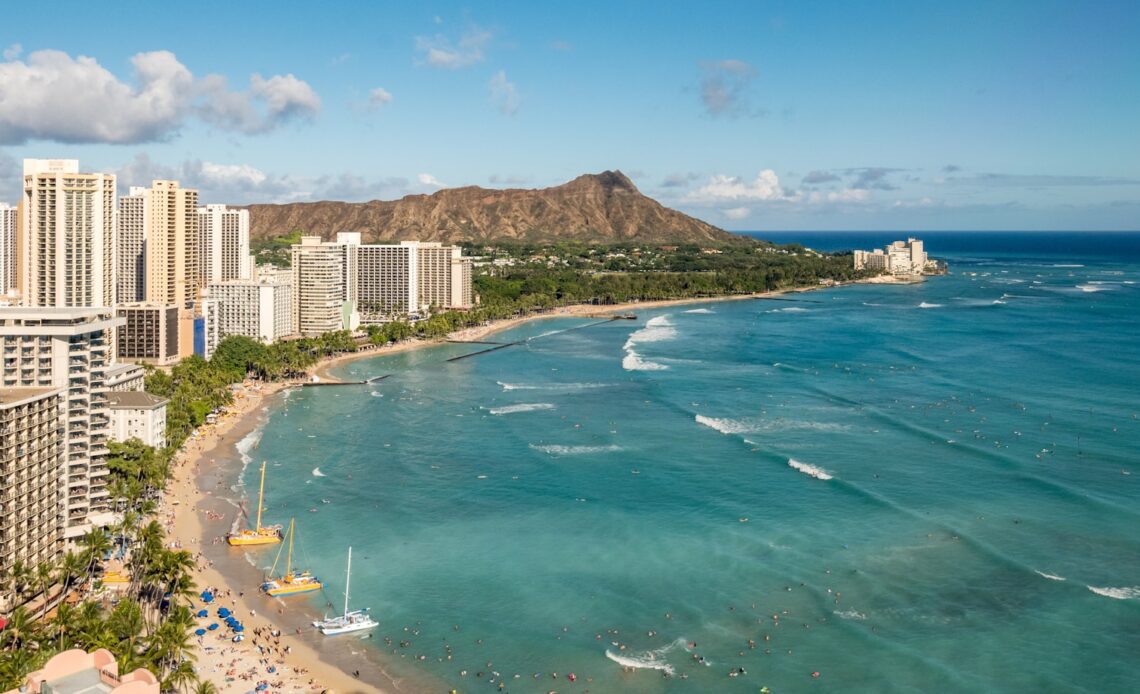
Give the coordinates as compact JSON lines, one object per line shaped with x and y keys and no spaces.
{"x":917,"y":488}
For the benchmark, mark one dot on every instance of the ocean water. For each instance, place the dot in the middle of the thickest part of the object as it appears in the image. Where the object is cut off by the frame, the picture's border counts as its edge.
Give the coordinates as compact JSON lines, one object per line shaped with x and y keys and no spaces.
{"x":916,"y":488}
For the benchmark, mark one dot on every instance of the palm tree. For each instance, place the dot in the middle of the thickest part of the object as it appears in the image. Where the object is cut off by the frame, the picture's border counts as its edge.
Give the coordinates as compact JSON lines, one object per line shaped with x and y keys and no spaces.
{"x":205,"y":687}
{"x":45,"y":574}
{"x":20,"y":629}
{"x":70,"y":567}
{"x":95,"y":544}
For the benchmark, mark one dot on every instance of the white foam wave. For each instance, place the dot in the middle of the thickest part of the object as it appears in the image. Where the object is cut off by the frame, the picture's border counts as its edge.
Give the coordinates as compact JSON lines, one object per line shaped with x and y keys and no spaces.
{"x":377,"y":394}
{"x":850,"y":614}
{"x":1051,"y":577}
{"x":521,"y":407}
{"x":811,"y":470}
{"x":647,"y":660}
{"x":751,"y":426}
{"x":1126,"y":593}
{"x":929,"y":305}
{"x":632,"y":361}
{"x":552,"y":386}
{"x":700,"y":310}
{"x":317,"y":472}
{"x":788,"y":309}
{"x":1094,"y":288}
{"x":553,"y":449}
{"x":1066,"y":265}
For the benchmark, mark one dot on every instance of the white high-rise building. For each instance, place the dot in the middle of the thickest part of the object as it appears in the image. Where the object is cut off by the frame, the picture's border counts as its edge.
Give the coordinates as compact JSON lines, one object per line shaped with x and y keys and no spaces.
{"x":261,"y":309}
{"x":8,"y":233}
{"x":223,"y":239}
{"x":132,"y":246}
{"x":904,"y":258}
{"x":69,"y":349}
{"x":321,"y":289}
{"x":66,"y":245}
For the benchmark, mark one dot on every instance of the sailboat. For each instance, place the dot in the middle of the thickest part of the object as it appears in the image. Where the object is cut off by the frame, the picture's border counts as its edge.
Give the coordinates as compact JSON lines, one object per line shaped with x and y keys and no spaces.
{"x":289,"y":583}
{"x":259,"y":535}
{"x":356,"y":620}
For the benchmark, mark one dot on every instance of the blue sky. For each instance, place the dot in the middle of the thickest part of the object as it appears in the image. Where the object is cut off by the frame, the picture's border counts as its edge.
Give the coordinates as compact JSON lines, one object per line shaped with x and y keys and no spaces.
{"x":750,"y":115}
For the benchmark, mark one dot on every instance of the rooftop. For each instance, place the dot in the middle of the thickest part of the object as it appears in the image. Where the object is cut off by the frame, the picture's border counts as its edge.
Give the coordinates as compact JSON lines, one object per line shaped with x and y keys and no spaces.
{"x":134,"y":399}
{"x":15,"y":396}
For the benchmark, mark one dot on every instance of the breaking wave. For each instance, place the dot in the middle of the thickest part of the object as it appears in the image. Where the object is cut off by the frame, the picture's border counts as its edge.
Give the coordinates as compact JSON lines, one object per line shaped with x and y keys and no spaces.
{"x":1126,"y":593}
{"x":700,"y":310}
{"x":553,"y":449}
{"x":317,"y":472}
{"x":789,"y":309}
{"x":648,"y":660}
{"x":1051,"y":577}
{"x":657,"y":329}
{"x":552,"y":386}
{"x":751,"y":426}
{"x":1090,"y":287}
{"x":521,"y":407}
{"x":810,"y":470}
{"x":929,"y":305}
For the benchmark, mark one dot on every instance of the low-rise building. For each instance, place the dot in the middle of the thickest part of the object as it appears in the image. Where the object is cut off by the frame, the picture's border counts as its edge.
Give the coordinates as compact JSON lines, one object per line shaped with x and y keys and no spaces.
{"x":121,"y":377}
{"x":32,"y":460}
{"x":78,"y":672}
{"x":138,"y":415}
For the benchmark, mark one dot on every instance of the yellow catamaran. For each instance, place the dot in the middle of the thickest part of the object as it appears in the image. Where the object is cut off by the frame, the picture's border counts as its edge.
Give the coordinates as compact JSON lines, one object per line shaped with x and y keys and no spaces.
{"x":259,"y":535}
{"x":290,"y":583}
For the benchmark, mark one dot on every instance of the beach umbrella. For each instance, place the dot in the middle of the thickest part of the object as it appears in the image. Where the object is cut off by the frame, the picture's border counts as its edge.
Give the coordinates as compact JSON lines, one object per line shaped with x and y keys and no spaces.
{"x":203,"y":613}
{"x":213,"y":626}
{"x":224,"y":612}
{"x":239,"y":628}
{"x":207,"y":596}
{"x":200,"y":632}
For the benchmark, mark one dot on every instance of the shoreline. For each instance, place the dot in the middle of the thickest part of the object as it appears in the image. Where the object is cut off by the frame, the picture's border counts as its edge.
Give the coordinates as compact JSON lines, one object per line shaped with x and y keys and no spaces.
{"x":189,"y":505}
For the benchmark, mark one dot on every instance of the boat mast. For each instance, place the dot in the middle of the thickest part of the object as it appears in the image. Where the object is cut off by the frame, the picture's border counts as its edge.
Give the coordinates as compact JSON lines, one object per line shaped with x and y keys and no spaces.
{"x":289,"y":556}
{"x":347,"y":579}
{"x":260,"y":493}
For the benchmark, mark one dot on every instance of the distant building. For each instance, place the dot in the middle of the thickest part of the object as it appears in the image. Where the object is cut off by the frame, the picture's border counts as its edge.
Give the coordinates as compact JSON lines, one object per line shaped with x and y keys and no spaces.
{"x":223,"y":241}
{"x":900,"y":258}
{"x":131,"y":244}
{"x":138,"y":415}
{"x":78,"y":672}
{"x":206,"y":328}
{"x":8,"y":234}
{"x":123,"y":377}
{"x":32,"y":462}
{"x":71,"y":349}
{"x":261,"y":309}
{"x":149,"y":334}
{"x":66,"y":246}
{"x":171,"y":245}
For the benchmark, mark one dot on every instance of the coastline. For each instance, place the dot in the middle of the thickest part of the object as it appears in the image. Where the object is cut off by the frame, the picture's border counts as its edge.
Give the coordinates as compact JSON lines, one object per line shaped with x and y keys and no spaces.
{"x":197,"y":520}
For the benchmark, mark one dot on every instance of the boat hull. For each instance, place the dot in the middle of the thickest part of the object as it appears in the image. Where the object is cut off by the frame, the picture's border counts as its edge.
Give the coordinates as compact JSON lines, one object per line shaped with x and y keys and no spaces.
{"x":344,"y":629}
{"x":290,"y":589}
{"x":251,"y":538}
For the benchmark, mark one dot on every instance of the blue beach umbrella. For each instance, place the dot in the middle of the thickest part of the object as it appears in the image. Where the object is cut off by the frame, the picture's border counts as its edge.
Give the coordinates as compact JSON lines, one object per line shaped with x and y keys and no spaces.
{"x":224,"y":612}
{"x":239,"y":628}
{"x":200,"y":632}
{"x":203,"y":613}
{"x":207,"y":596}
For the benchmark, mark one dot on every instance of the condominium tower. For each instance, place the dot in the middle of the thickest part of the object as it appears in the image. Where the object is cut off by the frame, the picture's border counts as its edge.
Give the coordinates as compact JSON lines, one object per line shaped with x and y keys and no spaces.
{"x":321,"y":290}
{"x":261,"y":309}
{"x":68,"y":349}
{"x":132,"y":246}
{"x":223,"y":241}
{"x":66,"y":245}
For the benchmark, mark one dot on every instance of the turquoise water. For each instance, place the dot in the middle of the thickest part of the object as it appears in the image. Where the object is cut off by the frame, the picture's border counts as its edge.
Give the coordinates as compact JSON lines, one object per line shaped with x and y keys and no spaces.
{"x":533,"y":510}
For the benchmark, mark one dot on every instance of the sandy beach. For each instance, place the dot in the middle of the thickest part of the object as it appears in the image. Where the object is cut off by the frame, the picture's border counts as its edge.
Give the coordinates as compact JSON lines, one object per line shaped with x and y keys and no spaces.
{"x":280,"y":648}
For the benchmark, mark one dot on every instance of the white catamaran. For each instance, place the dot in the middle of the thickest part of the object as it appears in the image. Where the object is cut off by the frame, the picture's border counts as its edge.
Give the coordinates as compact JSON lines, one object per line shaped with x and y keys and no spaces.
{"x":356,"y":620}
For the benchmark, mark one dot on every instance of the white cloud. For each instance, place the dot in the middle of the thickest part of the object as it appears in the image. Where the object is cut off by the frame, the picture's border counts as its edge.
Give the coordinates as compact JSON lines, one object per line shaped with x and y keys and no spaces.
{"x":504,"y":93}
{"x":438,"y":51}
{"x":429,"y":180}
{"x":379,"y":97}
{"x":12,"y":52}
{"x":722,"y":188}
{"x":840,"y":196}
{"x":219,"y":175}
{"x":52,"y":96}
{"x":737,"y":212}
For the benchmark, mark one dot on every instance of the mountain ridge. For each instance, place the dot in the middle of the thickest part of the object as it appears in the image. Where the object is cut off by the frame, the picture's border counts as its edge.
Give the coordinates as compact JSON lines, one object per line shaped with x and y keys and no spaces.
{"x":597,"y":208}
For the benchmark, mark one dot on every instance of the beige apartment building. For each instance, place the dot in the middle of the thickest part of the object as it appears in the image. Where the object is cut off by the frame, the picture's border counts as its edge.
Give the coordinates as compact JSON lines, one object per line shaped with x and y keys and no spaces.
{"x":223,"y":244}
{"x":32,"y":462}
{"x":138,"y":415}
{"x":65,"y":249}
{"x":69,"y":349}
{"x":261,"y":309}
{"x":9,"y":220}
{"x":171,"y":245}
{"x":900,"y":258}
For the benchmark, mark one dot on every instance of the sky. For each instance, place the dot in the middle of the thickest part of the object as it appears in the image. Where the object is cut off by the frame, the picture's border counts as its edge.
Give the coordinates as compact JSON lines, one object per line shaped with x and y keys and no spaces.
{"x":749,"y":115}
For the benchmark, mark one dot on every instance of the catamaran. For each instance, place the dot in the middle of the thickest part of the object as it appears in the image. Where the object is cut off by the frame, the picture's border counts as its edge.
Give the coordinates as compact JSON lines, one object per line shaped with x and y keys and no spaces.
{"x":289,"y":583}
{"x":356,"y":620}
{"x":259,"y":535}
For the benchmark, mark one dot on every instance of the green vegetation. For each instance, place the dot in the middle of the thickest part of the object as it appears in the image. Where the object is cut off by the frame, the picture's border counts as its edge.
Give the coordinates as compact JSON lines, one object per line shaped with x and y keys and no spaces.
{"x":275,"y":250}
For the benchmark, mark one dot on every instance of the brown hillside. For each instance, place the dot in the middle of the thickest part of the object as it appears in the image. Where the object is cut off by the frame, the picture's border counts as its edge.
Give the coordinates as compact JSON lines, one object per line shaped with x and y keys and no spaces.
{"x":596,"y":208}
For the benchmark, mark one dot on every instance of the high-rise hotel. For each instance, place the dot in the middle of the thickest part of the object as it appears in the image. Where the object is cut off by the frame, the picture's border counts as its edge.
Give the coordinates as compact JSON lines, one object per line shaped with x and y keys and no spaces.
{"x":223,"y":244}
{"x":65,"y":250}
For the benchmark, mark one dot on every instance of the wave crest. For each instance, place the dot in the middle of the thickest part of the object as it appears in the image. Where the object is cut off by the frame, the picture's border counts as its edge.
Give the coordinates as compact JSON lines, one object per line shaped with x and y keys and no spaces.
{"x":521,"y":407}
{"x":647,"y":660}
{"x":810,"y":470}
{"x":554,"y":449}
{"x":1125,"y":593}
